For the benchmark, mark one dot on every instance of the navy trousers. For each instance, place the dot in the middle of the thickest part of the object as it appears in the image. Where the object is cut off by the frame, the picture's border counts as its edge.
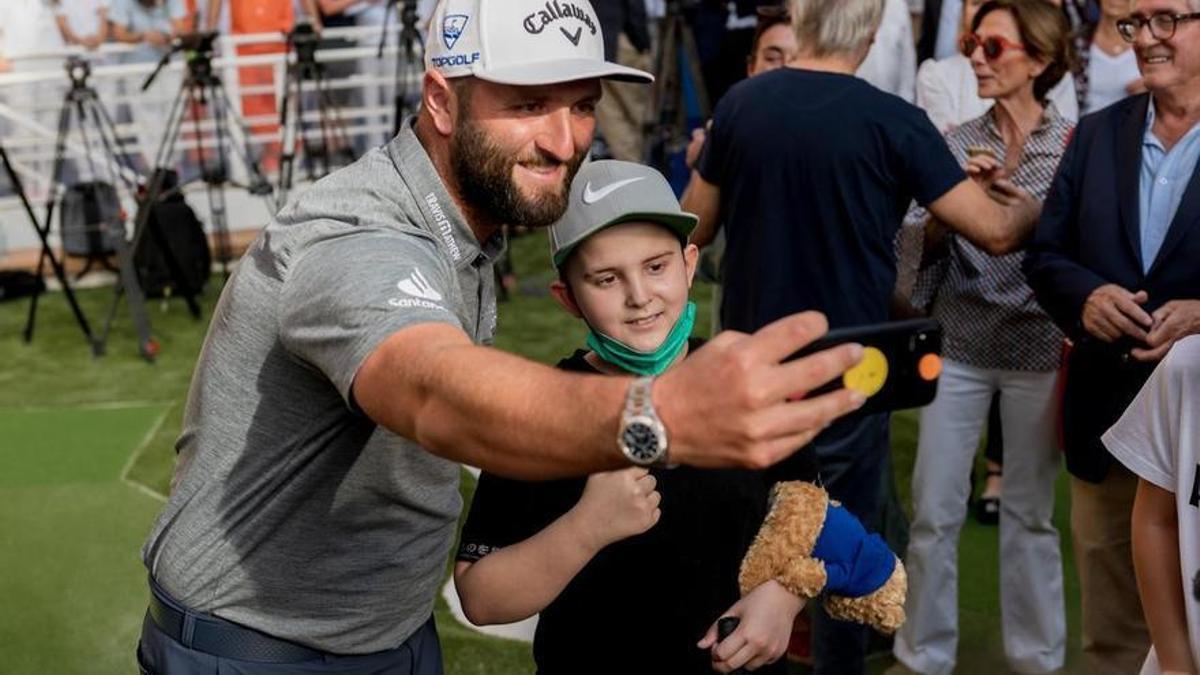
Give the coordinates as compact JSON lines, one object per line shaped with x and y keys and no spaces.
{"x":159,"y":654}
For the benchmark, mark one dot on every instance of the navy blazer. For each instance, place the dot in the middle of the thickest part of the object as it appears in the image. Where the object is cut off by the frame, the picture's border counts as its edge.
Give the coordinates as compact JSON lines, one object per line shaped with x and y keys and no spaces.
{"x":1088,"y":236}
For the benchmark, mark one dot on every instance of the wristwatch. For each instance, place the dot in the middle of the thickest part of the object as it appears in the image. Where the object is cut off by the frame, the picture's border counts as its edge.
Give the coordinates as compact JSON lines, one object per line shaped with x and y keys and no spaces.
{"x":642,"y":436}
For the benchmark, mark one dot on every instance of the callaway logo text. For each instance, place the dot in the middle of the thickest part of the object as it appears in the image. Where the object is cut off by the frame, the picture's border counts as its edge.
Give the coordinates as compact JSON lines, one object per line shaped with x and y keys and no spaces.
{"x":557,"y":11}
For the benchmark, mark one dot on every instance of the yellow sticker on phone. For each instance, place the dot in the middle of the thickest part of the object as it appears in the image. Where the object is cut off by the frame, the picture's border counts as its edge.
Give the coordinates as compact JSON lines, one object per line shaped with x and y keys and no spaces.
{"x":869,"y":376}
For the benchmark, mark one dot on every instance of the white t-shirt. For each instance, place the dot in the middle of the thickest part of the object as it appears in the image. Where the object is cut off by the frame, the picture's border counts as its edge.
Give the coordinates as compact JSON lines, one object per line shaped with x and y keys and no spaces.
{"x":1158,"y":438}
{"x":1108,"y":76}
{"x":891,"y":65}
{"x":27,"y":27}
{"x":83,"y":16}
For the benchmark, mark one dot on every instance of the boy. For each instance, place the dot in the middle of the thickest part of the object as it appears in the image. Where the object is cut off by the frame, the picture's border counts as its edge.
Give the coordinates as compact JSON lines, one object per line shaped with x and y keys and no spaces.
{"x":1158,"y":438}
{"x":611,"y":573}
{"x":557,"y":547}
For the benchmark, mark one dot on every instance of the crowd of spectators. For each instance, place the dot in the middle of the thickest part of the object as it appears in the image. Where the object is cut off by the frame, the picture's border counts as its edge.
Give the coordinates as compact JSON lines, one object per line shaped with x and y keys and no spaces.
{"x":1032,"y":185}
{"x":1054,"y":337}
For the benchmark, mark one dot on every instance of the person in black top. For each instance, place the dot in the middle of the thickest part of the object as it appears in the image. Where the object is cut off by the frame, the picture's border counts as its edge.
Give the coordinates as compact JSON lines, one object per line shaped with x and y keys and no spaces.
{"x":811,"y":170}
{"x":637,"y":561}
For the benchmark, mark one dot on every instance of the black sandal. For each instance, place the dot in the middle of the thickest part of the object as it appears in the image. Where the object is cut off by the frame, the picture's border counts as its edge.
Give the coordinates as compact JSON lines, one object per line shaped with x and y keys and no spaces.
{"x":987,"y":509}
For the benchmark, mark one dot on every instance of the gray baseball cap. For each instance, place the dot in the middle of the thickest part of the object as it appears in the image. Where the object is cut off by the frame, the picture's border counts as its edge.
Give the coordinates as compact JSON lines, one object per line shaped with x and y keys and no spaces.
{"x":521,"y":42}
{"x":608,"y":193}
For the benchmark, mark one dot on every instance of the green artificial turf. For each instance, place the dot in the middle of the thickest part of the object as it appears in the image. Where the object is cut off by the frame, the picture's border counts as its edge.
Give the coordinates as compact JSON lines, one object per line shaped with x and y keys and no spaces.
{"x":86,"y":443}
{"x":73,"y":586}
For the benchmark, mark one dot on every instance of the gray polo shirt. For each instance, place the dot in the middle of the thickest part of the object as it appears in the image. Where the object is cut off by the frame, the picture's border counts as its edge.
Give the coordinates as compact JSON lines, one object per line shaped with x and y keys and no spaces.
{"x":291,"y":512}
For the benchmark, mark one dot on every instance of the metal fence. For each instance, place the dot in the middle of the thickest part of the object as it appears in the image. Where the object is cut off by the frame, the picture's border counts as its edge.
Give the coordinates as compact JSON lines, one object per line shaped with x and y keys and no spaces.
{"x":360,"y":79}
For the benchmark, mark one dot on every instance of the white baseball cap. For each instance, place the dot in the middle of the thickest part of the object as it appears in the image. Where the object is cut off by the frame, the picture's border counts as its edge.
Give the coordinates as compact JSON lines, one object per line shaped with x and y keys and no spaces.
{"x":521,"y":42}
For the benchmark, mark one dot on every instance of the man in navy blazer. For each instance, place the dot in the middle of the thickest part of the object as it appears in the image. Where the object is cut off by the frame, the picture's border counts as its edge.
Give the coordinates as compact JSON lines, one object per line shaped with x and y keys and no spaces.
{"x":1115,"y":260}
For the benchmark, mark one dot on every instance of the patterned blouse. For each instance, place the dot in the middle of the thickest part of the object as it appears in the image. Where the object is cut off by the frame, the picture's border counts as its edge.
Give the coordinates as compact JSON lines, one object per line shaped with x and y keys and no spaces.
{"x":987,"y":310}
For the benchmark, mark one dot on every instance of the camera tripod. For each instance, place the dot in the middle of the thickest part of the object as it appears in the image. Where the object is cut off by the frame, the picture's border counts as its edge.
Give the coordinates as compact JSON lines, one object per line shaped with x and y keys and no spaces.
{"x":82,"y":102}
{"x":202,"y":87}
{"x":410,"y":58}
{"x":678,"y":68}
{"x":332,"y":139}
{"x":48,"y":254}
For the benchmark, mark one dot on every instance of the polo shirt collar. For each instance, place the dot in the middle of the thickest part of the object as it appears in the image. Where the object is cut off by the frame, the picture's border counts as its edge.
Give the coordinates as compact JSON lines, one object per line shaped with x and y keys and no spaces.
{"x":1050,"y":116}
{"x":440,"y":212}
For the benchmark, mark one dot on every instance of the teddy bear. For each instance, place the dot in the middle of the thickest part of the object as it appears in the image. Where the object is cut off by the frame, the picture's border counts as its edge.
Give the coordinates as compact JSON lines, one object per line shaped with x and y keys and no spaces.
{"x":811,"y":544}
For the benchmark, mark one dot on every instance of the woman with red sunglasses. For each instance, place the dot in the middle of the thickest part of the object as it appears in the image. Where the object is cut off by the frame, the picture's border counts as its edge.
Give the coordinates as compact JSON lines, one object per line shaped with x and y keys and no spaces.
{"x":948,"y":92}
{"x":997,"y":341}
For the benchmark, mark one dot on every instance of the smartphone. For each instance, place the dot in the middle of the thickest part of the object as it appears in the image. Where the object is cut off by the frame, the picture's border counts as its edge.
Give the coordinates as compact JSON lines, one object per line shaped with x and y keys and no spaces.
{"x":901,"y":364}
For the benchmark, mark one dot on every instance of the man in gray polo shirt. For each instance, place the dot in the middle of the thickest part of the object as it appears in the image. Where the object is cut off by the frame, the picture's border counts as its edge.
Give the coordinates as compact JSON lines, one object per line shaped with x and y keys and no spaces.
{"x":346,"y":372}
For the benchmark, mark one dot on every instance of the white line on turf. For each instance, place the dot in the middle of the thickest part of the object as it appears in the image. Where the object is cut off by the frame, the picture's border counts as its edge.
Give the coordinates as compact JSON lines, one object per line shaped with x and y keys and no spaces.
{"x":106,"y":405}
{"x":153,"y":494}
{"x":137,"y":452}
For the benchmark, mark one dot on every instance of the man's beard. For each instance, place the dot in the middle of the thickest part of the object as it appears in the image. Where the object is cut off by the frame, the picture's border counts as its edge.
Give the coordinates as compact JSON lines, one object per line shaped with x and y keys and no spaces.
{"x":484,"y":171}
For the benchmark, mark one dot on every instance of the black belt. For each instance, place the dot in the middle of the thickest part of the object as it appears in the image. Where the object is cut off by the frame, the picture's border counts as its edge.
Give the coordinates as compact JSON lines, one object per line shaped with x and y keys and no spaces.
{"x":218,"y":637}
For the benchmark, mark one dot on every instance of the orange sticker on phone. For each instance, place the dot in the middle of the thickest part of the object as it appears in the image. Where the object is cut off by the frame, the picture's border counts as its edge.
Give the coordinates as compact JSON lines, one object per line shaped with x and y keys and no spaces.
{"x":930,"y":367}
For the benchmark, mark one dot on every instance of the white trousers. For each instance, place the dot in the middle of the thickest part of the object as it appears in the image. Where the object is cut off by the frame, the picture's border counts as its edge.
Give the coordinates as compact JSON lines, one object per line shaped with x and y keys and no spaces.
{"x":1031,"y":586}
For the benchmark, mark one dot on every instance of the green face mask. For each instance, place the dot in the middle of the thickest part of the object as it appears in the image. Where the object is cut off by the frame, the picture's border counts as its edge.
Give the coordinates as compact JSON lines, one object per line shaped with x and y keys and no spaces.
{"x":646,"y":363}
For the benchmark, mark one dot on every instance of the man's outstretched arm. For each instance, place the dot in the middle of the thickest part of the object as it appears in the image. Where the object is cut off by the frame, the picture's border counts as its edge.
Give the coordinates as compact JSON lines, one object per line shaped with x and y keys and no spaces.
{"x":730,"y":404}
{"x":998,"y":221}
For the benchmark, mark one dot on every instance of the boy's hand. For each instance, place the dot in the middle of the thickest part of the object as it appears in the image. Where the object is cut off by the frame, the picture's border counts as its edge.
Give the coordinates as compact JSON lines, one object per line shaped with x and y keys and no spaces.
{"x":766,"y":616}
{"x":616,"y":505}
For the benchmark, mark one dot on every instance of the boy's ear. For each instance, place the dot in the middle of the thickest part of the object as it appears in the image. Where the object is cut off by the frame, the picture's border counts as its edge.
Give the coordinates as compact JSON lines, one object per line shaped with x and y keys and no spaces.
{"x":691,"y":255}
{"x":563,"y":295}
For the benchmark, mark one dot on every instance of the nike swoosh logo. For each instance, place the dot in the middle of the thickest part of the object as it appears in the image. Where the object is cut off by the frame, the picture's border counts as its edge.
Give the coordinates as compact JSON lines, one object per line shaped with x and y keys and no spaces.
{"x":592,"y":196}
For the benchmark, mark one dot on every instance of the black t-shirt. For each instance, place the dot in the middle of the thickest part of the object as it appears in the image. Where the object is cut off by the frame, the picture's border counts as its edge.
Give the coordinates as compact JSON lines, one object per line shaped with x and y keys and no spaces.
{"x":642,"y":603}
{"x":816,"y":172}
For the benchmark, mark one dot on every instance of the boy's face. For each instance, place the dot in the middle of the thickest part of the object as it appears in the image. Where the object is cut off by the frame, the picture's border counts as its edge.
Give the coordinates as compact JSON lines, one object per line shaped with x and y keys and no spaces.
{"x":629,"y":282}
{"x":775,"y":48}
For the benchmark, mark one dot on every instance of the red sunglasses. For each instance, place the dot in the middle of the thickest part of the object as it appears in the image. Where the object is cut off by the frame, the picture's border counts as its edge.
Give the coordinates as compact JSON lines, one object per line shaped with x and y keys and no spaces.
{"x":994,"y":46}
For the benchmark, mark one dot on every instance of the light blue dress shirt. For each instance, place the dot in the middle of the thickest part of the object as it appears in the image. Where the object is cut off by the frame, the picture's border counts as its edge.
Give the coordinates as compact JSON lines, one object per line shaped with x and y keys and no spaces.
{"x":1164,"y":179}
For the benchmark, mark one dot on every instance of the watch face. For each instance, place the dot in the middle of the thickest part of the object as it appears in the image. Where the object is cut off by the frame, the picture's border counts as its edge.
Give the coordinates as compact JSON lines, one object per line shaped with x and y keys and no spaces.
{"x":641,"y":441}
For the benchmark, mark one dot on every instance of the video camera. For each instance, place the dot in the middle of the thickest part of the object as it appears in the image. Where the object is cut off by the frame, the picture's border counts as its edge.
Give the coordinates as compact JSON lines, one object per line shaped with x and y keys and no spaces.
{"x":408,"y":11}
{"x":305,"y":40}
{"x":198,"y":48}
{"x":78,"y":69}
{"x":201,"y":43}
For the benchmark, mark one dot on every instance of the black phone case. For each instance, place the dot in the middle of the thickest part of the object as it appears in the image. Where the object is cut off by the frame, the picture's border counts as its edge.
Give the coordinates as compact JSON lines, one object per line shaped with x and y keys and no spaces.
{"x":903,"y":344}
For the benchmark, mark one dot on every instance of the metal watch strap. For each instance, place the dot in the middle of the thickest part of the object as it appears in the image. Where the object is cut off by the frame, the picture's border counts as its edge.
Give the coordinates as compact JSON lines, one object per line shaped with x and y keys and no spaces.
{"x":637,"y":401}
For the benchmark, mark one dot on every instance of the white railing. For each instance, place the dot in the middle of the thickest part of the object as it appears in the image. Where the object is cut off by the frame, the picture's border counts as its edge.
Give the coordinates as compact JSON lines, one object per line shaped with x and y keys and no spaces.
{"x":31,"y":98}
